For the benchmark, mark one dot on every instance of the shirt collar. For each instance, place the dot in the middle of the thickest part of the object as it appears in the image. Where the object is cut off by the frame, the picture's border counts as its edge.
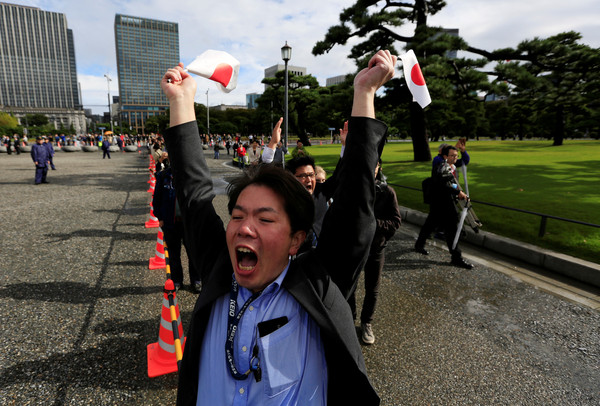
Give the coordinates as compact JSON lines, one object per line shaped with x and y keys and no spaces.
{"x":271,"y":289}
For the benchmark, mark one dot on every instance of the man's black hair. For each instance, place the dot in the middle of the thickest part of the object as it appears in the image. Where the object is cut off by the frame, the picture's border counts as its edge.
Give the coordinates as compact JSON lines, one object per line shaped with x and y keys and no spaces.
{"x":298,"y":203}
{"x":297,"y":162}
{"x":447,"y":148}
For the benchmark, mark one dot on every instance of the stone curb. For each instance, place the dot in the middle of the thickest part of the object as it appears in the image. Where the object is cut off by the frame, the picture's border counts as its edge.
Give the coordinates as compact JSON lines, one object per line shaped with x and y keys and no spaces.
{"x":581,"y":270}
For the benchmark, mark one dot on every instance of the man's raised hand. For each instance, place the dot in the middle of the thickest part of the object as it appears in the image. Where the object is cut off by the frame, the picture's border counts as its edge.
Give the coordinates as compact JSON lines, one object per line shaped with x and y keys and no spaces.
{"x":367,"y":81}
{"x":344,"y":133}
{"x":379,"y":71}
{"x":180,"y":88}
{"x":276,"y":135}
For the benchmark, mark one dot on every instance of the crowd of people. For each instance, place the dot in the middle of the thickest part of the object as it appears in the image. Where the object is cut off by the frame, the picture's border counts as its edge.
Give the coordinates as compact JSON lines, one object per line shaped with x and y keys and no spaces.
{"x":274,"y":321}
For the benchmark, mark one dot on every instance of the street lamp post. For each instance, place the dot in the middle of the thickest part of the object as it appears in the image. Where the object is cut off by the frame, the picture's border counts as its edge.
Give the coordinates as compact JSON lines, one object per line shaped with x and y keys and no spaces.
{"x":286,"y":55}
{"x":108,"y":80}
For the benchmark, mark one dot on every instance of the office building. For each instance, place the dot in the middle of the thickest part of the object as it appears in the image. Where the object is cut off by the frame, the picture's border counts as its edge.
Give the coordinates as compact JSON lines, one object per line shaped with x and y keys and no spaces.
{"x":38,"y":73}
{"x":225,"y":107}
{"x":251,"y":100}
{"x":145,"y":50}
{"x":336,"y":80}
{"x":272,"y":70}
{"x":452,"y":54}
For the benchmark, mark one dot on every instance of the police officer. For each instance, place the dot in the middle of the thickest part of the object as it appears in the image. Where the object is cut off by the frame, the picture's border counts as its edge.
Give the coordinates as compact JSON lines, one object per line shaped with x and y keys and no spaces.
{"x":17,"y":144}
{"x":9,"y":145}
{"x":41,"y":158}
{"x":50,"y":148}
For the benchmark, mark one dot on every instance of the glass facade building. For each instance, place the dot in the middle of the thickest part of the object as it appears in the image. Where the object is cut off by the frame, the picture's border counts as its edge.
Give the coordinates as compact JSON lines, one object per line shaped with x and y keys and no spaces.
{"x":145,"y":50}
{"x":38,"y":72}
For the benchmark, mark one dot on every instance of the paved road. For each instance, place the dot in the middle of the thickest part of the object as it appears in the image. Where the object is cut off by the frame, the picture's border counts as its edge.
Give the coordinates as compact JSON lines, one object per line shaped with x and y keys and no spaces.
{"x":80,"y":305}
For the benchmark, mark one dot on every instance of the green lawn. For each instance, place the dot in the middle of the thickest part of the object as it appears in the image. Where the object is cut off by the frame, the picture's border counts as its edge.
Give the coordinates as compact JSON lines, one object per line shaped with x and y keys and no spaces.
{"x":530,"y":175}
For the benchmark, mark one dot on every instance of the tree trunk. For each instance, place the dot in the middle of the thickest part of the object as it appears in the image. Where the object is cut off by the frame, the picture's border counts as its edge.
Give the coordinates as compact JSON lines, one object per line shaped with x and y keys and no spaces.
{"x":419,"y":133}
{"x":559,"y":128}
{"x":418,"y":125}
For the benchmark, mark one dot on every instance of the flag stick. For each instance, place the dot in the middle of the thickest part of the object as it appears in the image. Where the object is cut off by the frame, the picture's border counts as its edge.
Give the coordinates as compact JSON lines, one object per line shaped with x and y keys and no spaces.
{"x":463,"y":169}
{"x":461,"y":222}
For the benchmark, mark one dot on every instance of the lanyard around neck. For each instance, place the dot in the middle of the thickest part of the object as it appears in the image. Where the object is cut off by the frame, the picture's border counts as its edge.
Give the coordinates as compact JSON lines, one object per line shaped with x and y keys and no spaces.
{"x":232,"y":326}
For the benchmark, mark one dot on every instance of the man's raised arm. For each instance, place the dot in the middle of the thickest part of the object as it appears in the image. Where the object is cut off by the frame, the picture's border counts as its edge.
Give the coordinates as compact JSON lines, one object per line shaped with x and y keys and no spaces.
{"x":193,"y":181}
{"x":349,"y":224}
{"x":269,"y":151}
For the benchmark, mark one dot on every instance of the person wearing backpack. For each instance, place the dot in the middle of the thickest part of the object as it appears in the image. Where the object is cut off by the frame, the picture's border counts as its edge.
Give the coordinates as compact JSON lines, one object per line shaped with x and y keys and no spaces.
{"x":444,"y":192}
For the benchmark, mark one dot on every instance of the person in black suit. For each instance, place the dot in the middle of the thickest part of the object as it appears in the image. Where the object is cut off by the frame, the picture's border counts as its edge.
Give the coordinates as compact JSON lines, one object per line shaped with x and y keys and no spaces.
{"x":387,"y":214}
{"x":442,"y":212}
{"x":265,"y":325}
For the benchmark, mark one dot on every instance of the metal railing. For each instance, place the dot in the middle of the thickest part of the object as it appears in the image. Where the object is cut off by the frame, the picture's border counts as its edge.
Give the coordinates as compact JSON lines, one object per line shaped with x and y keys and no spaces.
{"x":543,"y":217}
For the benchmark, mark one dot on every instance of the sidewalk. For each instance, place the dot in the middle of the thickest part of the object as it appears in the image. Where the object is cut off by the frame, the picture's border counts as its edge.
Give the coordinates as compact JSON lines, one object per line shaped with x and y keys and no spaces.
{"x":575,"y":268}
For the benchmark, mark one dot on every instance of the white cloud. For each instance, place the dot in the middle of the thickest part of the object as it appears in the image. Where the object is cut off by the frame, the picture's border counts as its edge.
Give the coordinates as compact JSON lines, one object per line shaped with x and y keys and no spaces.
{"x":505,"y":23}
{"x":254,"y":31}
{"x":94,"y":91}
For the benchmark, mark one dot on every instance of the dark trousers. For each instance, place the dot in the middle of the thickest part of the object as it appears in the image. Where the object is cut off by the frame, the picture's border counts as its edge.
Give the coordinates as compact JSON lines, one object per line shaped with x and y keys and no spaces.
{"x":174,"y":237}
{"x":373,"y":269}
{"x":445,"y":217}
{"x":52,"y":163}
{"x":40,"y":174}
{"x":105,"y":153}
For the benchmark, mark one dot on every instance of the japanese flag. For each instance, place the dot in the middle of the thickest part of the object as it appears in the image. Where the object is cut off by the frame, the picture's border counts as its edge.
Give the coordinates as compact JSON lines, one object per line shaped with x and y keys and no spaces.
{"x":218,"y":66}
{"x":414,"y":79}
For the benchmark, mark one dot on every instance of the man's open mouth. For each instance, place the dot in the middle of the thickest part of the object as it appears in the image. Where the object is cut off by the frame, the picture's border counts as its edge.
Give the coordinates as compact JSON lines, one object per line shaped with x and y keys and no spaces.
{"x":246,"y":259}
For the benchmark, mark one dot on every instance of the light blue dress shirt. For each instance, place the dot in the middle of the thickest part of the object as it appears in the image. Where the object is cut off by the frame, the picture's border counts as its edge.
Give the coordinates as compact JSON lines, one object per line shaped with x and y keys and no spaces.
{"x":292,"y":358}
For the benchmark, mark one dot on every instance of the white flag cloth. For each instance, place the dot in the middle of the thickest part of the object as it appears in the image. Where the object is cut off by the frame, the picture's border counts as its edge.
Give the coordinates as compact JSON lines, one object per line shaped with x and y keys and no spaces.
{"x":218,"y":66}
{"x":414,"y":79}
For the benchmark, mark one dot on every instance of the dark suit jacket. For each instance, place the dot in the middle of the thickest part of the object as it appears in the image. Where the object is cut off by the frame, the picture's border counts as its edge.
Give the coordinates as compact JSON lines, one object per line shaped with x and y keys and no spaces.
{"x":320,"y":280}
{"x":40,"y":154}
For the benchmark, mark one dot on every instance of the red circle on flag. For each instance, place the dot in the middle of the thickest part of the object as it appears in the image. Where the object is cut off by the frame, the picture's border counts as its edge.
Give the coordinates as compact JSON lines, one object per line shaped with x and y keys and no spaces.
{"x":417,"y":76}
{"x":222,"y":74}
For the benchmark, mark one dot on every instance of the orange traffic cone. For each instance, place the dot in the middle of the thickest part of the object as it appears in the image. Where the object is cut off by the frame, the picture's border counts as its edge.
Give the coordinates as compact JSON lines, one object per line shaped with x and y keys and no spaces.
{"x":164,"y":354}
{"x":153,"y":221}
{"x":152,"y":183}
{"x":158,"y":261}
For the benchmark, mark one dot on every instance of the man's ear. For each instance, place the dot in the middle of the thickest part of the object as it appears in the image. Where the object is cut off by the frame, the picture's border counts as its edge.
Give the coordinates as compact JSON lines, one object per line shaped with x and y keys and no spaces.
{"x":297,"y":239}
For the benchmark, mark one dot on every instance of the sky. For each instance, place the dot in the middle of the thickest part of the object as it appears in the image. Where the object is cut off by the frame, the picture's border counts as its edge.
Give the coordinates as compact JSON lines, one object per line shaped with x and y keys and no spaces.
{"x":254,"y":31}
